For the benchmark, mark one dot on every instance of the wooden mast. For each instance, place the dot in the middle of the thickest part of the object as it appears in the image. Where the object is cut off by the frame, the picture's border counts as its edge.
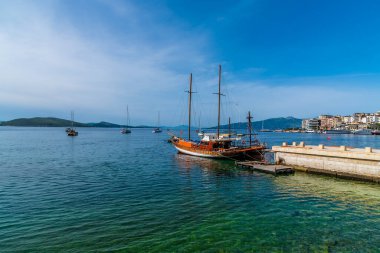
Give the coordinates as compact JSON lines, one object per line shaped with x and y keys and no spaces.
{"x":127,"y":117}
{"x":220,"y":76}
{"x":190,"y":91}
{"x":250,"y":128}
{"x":229,"y":127}
{"x":72,"y":119}
{"x":219,"y":94}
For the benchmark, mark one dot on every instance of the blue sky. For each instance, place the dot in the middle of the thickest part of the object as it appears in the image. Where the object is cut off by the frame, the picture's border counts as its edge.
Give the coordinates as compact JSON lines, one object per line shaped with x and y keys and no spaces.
{"x":279,"y":58}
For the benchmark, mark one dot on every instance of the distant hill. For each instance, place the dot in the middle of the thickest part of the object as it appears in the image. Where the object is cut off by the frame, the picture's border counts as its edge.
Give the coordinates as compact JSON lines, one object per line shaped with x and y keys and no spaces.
{"x":272,"y":124}
{"x":54,"y":122}
{"x":40,"y":122}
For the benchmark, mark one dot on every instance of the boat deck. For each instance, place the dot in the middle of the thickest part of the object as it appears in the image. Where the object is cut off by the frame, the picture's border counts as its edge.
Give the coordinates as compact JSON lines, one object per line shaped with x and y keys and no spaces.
{"x":273,"y":169}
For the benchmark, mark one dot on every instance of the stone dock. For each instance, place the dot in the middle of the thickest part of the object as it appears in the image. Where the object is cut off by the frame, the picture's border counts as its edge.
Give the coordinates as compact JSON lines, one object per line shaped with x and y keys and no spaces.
{"x":341,"y":161}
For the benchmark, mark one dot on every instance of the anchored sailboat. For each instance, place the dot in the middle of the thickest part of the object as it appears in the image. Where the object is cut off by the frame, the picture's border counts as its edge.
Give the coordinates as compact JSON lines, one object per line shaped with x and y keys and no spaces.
{"x":71,"y":131}
{"x":217,"y":145}
{"x":157,"y":129}
{"x":127,"y":130}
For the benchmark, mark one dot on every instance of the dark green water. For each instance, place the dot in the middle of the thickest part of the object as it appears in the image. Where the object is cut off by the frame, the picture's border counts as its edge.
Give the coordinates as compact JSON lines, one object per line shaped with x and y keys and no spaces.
{"x":103,"y":191}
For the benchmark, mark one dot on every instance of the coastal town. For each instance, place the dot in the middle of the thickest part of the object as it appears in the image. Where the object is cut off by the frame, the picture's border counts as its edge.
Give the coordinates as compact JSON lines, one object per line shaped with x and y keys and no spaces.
{"x":360,"y":123}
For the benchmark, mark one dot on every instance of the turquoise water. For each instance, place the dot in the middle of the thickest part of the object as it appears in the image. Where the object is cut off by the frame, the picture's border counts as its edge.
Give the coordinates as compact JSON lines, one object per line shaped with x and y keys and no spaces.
{"x":103,"y":191}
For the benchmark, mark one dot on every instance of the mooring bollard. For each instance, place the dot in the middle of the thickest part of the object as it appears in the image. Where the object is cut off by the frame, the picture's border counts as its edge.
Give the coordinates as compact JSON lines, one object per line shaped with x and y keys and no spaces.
{"x":284,"y":144}
{"x":368,"y":150}
{"x":321,"y":146}
{"x":343,"y":148}
{"x":294,"y":143}
{"x":302,"y":144}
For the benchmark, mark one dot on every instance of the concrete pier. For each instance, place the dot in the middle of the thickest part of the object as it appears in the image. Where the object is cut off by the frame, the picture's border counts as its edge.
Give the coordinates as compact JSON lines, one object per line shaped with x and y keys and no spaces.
{"x":274,"y":169}
{"x":342,"y":161}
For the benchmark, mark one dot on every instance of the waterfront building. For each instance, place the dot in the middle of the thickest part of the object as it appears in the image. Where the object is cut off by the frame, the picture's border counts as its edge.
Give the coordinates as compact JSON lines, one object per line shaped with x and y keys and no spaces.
{"x":311,"y":124}
{"x":347,"y":119}
{"x":359,"y":120}
{"x":328,"y":122}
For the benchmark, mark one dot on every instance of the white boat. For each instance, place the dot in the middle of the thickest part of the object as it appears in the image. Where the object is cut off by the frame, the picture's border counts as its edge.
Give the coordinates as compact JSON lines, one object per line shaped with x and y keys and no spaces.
{"x":363,"y":132}
{"x":263,"y":129}
{"x":310,"y":131}
{"x":337,"y":131}
{"x":126,"y":130}
{"x":157,"y":129}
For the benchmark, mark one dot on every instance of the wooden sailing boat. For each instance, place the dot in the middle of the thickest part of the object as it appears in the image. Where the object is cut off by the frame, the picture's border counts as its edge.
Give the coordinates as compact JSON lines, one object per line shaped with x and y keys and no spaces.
{"x":126,"y":130}
{"x":71,"y":131}
{"x":218,"y":145}
{"x":157,"y":129}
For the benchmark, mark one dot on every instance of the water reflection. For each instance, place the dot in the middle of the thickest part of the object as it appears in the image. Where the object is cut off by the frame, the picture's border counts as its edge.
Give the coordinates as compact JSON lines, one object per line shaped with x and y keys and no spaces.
{"x":209,"y":166}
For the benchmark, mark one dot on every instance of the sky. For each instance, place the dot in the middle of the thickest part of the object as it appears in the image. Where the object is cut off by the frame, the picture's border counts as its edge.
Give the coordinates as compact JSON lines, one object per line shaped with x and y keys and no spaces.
{"x":279,"y":58}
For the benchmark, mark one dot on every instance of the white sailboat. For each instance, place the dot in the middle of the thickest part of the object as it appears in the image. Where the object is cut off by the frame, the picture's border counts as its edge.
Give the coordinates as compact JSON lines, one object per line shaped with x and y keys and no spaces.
{"x":157,"y":129}
{"x":127,"y":130}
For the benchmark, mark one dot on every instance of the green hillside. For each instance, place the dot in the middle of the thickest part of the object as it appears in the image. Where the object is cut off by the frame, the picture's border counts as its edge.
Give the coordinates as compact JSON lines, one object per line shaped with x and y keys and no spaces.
{"x":53,"y":122}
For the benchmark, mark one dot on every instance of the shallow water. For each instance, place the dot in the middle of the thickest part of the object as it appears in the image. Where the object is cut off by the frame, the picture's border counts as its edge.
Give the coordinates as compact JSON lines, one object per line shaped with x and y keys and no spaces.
{"x":103,"y":191}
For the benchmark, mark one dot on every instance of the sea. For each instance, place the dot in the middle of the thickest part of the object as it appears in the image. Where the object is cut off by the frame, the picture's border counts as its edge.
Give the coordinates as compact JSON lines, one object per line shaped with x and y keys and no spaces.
{"x":106,"y":192}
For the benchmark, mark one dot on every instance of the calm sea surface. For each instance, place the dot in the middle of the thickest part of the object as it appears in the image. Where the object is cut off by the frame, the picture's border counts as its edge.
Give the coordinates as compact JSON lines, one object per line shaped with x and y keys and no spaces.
{"x":103,"y":191}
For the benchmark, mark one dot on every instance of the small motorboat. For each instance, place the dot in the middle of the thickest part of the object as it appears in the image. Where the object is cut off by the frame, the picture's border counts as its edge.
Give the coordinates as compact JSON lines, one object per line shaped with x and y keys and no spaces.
{"x":376,"y":132}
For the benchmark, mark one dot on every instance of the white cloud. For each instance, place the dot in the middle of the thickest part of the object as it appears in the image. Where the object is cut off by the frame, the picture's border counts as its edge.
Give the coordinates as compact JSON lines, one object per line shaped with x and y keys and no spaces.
{"x":45,"y":65}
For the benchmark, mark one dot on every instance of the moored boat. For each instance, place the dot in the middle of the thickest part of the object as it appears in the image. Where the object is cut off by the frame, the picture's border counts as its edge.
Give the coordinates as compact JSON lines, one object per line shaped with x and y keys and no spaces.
{"x":363,"y":132}
{"x":157,"y":129}
{"x":71,"y":130}
{"x":337,"y":131}
{"x":218,"y":145}
{"x":376,"y":132}
{"x":126,"y":130}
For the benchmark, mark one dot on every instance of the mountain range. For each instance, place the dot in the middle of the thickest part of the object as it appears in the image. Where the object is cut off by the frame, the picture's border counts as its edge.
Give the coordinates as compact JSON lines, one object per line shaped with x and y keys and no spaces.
{"x":272,"y":124}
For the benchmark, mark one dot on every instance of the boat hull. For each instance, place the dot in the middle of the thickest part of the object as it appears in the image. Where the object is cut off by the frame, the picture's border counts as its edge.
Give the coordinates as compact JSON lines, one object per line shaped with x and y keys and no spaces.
{"x":254,"y":153}
{"x":200,"y":154}
{"x":125,"y":131}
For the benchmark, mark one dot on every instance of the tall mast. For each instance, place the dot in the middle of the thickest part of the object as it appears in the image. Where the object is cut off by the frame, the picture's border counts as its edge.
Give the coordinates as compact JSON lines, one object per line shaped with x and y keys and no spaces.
{"x":199,"y":123}
{"x":219,"y":94}
{"x":158,"y":119}
{"x":220,"y":76}
{"x":249,"y":128}
{"x":190,"y":91}
{"x":229,"y":127}
{"x":72,"y":119}
{"x":127,"y":117}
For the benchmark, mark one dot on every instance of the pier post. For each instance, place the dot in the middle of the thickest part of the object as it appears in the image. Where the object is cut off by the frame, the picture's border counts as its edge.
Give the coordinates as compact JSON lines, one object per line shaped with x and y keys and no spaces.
{"x":294,"y":143}
{"x":321,"y":146}
{"x":302,"y":144}
{"x":343,"y":148}
{"x":284,"y":144}
{"x":368,"y":150}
